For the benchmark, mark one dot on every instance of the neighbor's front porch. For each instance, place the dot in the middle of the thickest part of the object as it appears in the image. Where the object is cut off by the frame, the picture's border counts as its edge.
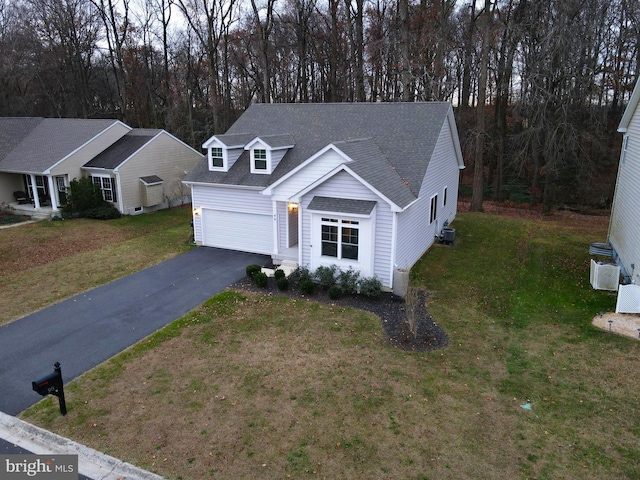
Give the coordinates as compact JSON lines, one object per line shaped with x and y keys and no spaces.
{"x":33,"y":211}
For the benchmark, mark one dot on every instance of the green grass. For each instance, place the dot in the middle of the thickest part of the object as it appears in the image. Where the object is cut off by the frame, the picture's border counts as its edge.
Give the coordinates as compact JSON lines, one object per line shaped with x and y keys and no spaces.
{"x":289,"y":388}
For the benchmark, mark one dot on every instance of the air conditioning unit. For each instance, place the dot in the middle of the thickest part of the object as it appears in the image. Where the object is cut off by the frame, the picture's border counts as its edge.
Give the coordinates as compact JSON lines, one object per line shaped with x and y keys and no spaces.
{"x":604,"y":276}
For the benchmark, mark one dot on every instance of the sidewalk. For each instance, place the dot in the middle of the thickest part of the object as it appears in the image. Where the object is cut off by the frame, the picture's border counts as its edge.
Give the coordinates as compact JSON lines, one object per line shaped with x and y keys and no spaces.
{"x":91,"y":463}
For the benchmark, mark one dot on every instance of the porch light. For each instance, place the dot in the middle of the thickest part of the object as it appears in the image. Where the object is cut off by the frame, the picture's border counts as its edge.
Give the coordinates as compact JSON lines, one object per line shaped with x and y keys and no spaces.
{"x":292,"y":206}
{"x":197,"y":211}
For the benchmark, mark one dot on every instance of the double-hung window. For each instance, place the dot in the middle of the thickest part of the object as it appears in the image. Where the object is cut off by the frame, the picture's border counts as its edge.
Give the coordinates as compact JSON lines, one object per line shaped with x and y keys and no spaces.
{"x":259,"y":159}
{"x":340,"y":238}
{"x":217,"y":160}
{"x":107,"y":187}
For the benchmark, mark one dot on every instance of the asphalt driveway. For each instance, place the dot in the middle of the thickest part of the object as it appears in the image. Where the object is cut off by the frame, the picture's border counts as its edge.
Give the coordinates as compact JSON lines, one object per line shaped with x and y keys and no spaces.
{"x":86,"y":330}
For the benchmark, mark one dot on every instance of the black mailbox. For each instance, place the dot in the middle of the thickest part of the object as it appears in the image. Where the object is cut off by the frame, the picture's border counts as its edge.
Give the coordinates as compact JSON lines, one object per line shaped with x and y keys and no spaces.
{"x":52,"y":385}
{"x":48,"y":385}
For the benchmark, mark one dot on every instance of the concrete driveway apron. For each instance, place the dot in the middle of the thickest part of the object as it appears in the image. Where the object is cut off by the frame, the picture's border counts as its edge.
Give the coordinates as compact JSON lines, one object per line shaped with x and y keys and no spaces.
{"x":86,"y":330}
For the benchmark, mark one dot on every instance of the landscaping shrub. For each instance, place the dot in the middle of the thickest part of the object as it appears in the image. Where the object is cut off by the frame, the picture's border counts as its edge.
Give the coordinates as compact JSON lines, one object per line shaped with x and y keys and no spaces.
{"x":278,"y":274}
{"x":326,"y":276}
{"x":300,"y":275}
{"x":252,"y":270}
{"x":348,"y":281}
{"x":85,"y":200}
{"x":335,"y":292}
{"x":260,"y":279}
{"x":371,"y":287}
{"x":307,"y":286}
{"x":283,"y":284}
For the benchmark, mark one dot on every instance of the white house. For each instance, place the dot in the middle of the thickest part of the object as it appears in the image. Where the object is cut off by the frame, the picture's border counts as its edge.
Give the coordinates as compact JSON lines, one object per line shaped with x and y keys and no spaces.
{"x":367,"y":186}
{"x":624,"y":225}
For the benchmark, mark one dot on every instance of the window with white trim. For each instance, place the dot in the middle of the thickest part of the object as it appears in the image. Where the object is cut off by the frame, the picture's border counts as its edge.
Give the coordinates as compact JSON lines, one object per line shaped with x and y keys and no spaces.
{"x":340,"y":238}
{"x":259,"y":159}
{"x":217,"y":160}
{"x":107,"y":187}
{"x":433,"y":214}
{"x":444,"y":197}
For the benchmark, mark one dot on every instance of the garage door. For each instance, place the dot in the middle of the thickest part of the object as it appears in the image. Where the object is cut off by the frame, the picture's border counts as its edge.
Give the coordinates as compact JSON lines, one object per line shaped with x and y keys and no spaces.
{"x":247,"y":232}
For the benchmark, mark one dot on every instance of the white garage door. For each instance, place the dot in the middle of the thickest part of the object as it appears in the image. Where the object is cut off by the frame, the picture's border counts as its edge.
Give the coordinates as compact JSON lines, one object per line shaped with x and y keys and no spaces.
{"x":247,"y":232}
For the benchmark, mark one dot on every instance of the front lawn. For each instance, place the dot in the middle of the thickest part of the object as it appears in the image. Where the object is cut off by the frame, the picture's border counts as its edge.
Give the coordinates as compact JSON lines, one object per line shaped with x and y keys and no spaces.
{"x":45,"y":262}
{"x":257,"y":386}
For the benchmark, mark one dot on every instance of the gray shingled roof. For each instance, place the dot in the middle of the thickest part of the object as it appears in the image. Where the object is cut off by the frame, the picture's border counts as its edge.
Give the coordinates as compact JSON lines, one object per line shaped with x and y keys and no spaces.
{"x":121,"y":150}
{"x":235,"y":140}
{"x":36,"y":144}
{"x":403,"y":136}
{"x":342,"y":205}
{"x":278,"y":141}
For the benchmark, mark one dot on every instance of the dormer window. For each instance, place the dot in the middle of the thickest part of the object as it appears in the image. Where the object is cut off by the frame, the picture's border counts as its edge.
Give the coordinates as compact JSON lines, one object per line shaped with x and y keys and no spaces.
{"x":259,"y":159}
{"x":217,"y":160}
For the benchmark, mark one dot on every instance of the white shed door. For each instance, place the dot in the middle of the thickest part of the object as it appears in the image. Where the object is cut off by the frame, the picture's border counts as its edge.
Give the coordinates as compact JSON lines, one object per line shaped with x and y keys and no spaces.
{"x":247,"y":232}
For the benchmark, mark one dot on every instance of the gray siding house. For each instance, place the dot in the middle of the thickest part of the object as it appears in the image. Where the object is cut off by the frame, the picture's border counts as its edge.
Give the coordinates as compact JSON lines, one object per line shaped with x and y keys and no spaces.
{"x":624,"y":226}
{"x":367,"y":186}
{"x":137,"y":170}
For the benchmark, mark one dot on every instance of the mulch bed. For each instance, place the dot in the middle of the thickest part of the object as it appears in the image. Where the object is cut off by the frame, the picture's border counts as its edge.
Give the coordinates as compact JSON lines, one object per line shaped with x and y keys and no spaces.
{"x":390,"y":308}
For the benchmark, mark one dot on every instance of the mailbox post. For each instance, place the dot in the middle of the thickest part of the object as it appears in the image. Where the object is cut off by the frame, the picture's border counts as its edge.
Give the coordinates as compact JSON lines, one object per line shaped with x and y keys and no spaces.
{"x":52,"y":384}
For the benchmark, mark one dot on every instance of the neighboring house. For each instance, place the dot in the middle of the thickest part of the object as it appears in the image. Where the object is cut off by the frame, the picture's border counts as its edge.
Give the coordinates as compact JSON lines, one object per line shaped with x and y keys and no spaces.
{"x":624,"y":226}
{"x":367,"y":186}
{"x":137,"y":169}
{"x":143,"y":171}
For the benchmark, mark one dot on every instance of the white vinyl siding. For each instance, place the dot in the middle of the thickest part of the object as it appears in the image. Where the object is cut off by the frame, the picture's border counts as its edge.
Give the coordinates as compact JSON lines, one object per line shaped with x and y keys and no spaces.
{"x":624,"y":227}
{"x":283,"y":218}
{"x":240,"y":200}
{"x":416,"y":233}
{"x":343,"y":185}
{"x":308,"y":174}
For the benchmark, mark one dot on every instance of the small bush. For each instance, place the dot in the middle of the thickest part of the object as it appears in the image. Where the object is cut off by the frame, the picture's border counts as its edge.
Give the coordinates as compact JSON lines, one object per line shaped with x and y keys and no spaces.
{"x":348,"y":281}
{"x":326,"y":276}
{"x":283,"y":284}
{"x":371,"y":287}
{"x":335,"y":292}
{"x":253,"y":269}
{"x":260,"y":279}
{"x":307,"y":286}
{"x":300,"y":275}
{"x":278,"y":274}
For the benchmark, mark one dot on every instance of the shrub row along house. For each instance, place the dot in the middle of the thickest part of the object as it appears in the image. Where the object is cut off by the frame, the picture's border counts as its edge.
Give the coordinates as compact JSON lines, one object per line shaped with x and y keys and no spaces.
{"x":137,"y":170}
{"x":367,"y":186}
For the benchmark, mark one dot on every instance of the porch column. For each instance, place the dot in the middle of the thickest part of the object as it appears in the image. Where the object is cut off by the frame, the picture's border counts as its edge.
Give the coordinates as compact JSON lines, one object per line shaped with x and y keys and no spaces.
{"x":34,"y":192}
{"x":53,"y":193}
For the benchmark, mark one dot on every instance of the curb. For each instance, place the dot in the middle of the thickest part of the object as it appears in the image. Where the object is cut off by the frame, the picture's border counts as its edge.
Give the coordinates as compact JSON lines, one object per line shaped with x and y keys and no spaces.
{"x":90,"y":462}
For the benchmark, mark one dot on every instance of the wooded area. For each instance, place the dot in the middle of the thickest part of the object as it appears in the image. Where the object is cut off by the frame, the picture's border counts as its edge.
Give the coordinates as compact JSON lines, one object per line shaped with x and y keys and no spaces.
{"x":538,"y":86}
